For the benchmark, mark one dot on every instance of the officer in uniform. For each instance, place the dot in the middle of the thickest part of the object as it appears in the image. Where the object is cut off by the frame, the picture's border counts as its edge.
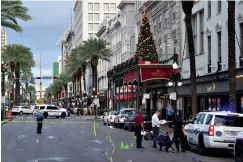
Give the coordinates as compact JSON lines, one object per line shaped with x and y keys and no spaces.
{"x":178,"y":132}
{"x":39,"y":119}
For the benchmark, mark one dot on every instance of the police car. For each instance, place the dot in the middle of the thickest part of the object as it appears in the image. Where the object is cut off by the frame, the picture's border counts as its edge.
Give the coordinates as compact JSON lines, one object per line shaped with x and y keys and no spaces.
{"x":51,"y":111}
{"x":238,"y":149}
{"x":214,"y":130}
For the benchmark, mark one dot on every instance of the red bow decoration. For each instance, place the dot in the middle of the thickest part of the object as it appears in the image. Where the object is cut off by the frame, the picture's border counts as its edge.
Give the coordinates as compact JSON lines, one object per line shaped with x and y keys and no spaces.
{"x":175,"y":71}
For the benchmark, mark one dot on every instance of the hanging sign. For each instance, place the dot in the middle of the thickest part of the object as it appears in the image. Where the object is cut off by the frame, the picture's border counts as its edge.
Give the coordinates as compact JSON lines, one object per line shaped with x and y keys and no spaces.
{"x":164,"y":96}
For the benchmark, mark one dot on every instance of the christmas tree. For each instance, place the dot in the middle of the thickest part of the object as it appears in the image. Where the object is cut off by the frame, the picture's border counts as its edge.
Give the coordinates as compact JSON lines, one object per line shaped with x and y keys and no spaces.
{"x":146,"y":49}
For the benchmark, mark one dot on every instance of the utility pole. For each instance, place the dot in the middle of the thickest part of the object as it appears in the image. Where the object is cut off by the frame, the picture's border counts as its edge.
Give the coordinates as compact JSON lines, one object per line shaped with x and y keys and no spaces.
{"x":41,"y":102}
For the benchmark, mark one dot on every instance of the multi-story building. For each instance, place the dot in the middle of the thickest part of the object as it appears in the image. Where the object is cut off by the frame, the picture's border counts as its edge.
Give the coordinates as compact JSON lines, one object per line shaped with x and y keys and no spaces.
{"x":55,"y":70}
{"x":4,"y":39}
{"x":119,"y":32}
{"x":88,"y":14}
{"x":210,"y":35}
{"x":59,"y":59}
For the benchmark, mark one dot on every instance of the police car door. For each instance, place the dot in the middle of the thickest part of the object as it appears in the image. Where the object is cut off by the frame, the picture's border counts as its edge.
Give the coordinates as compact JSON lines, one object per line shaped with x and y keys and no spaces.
{"x":198,"y":128}
{"x":49,"y":110}
{"x":190,"y":130}
{"x":55,"y":111}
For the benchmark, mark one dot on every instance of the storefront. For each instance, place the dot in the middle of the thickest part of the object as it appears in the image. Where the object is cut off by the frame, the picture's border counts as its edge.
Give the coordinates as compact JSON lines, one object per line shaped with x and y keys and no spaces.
{"x":132,"y":84}
{"x":212,"y":92}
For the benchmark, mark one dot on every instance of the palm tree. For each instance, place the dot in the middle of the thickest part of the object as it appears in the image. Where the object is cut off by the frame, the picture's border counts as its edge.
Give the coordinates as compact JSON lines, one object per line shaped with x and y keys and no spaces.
{"x":22,"y":59}
{"x":187,"y":8}
{"x":11,"y":11}
{"x":93,"y":50}
{"x":231,"y":55}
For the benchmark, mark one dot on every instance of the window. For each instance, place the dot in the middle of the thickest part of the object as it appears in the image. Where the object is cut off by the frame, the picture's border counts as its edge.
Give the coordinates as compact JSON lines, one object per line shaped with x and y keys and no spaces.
{"x":209,"y":9}
{"x":90,"y":17}
{"x":90,"y":6}
{"x":209,"y":49}
{"x":96,"y":17}
{"x":201,"y":119}
{"x":96,"y":6}
{"x":96,"y":26}
{"x":106,"y":15}
{"x":155,"y":22}
{"x":209,"y":119}
{"x":90,"y":27}
{"x":112,"y":7}
{"x":241,"y":38}
{"x":90,"y":35}
{"x":112,"y":15}
{"x":219,"y":6}
{"x":173,"y":12}
{"x":106,"y":6}
{"x":166,"y":17}
{"x":160,"y":21}
{"x":42,"y":107}
{"x":201,"y":15}
{"x":196,"y":119}
{"x":231,"y":121}
{"x":194,"y":21}
{"x":219,"y":46}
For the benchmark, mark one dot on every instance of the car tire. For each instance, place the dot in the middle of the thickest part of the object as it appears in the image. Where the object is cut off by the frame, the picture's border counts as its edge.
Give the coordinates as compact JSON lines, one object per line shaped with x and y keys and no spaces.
{"x":45,"y":115}
{"x":57,"y":116}
{"x":63,"y":115}
{"x":130,"y":128}
{"x":202,"y":150}
{"x":21,"y":113}
{"x":239,"y":153}
{"x":104,"y":122}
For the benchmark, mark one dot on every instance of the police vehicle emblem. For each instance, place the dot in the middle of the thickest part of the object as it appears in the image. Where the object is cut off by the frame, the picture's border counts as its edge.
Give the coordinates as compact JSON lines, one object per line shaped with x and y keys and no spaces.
{"x":218,"y":133}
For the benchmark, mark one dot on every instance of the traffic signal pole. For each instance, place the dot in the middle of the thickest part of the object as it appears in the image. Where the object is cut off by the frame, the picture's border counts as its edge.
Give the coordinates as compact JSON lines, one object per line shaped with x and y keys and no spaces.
{"x":40,"y":82}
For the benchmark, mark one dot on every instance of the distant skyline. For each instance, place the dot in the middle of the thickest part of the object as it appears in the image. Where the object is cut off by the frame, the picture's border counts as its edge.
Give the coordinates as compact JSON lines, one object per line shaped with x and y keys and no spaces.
{"x":49,"y":21}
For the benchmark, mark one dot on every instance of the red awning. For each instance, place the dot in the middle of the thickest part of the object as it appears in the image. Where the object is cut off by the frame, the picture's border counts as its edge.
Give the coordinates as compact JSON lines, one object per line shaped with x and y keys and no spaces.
{"x":124,"y":97}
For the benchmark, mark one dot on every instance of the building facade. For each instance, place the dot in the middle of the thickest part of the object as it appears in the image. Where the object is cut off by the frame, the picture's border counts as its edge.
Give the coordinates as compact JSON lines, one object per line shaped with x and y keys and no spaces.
{"x":119,"y":32}
{"x":55,"y":70}
{"x":4,"y":39}
{"x":209,"y":23}
{"x":88,"y":14}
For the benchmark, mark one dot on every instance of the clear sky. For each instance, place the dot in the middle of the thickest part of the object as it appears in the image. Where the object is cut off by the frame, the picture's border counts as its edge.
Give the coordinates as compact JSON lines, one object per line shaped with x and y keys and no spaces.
{"x":49,"y":21}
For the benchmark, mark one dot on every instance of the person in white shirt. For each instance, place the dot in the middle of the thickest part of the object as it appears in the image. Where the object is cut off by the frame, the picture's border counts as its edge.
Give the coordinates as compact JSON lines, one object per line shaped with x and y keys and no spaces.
{"x":155,"y":128}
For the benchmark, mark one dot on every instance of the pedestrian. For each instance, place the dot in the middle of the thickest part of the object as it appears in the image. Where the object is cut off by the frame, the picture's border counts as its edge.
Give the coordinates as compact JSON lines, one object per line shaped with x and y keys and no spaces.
{"x":138,"y":128}
{"x":164,"y":140}
{"x":69,"y":111}
{"x":155,"y":128}
{"x":39,"y":120}
{"x":178,"y":132}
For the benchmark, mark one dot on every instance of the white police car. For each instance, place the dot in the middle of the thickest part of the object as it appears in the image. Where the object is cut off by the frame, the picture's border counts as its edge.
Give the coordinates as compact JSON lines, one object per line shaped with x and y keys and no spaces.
{"x":238,"y":149}
{"x":51,"y":111}
{"x":214,"y":130}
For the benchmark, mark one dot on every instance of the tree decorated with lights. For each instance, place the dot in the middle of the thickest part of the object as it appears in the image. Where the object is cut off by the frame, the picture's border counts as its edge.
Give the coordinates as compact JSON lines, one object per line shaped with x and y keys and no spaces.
{"x":146,"y":49}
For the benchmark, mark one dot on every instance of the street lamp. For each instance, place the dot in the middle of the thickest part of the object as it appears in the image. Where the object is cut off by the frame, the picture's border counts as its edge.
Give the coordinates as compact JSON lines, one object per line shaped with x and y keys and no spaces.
{"x":175,"y":66}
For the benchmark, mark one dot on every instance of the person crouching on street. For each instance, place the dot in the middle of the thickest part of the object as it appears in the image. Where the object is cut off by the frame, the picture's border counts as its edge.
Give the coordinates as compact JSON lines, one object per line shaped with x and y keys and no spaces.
{"x":39,"y":119}
{"x":138,"y":128}
{"x":155,"y":128}
{"x":164,"y":140}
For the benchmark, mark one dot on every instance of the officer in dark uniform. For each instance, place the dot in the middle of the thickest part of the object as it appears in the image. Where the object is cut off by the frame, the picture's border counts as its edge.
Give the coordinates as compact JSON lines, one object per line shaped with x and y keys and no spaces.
{"x":39,"y":120}
{"x":178,"y":133}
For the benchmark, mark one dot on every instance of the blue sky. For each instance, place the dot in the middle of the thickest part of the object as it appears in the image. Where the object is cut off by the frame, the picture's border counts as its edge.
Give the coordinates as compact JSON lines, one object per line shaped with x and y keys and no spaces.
{"x":49,"y":21}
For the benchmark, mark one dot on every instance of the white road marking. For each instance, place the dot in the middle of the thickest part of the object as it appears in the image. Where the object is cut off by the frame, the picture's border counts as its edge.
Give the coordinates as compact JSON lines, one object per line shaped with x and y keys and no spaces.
{"x":81,"y":131}
{"x":21,"y":136}
{"x":51,"y":137}
{"x":97,"y":141}
{"x":36,"y":160}
{"x":20,"y":149}
{"x":37,"y":140}
{"x":129,"y":161}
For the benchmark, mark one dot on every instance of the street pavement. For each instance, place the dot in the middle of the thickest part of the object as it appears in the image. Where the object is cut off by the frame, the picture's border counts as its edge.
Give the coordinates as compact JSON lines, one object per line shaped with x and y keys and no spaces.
{"x":74,"y":139}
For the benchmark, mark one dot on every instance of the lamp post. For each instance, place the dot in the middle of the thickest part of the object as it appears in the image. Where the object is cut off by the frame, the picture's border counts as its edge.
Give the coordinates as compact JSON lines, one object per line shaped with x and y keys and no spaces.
{"x":175,"y":80}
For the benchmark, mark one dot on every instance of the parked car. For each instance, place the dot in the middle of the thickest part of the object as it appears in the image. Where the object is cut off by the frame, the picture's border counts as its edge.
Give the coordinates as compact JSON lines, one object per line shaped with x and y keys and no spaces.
{"x":129,"y":121}
{"x":109,"y":118}
{"x":22,"y":110}
{"x":238,"y":149}
{"x":214,"y":130}
{"x":120,"y":117}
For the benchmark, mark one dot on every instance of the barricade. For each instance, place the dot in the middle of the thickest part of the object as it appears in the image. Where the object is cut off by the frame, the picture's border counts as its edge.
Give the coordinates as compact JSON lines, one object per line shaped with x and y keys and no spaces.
{"x":9,"y":114}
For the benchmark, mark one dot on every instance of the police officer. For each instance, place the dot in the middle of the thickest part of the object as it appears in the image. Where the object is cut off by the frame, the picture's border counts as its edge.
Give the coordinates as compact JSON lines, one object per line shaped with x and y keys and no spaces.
{"x":178,"y":133}
{"x":39,"y":119}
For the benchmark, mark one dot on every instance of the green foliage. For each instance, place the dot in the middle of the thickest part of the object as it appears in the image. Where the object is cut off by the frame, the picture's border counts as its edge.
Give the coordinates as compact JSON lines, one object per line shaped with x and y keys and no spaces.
{"x":11,"y":11}
{"x":146,"y":49}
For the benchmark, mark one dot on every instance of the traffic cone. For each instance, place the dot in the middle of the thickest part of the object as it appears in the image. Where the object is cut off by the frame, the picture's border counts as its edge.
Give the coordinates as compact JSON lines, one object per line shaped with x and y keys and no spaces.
{"x":9,"y":114}
{"x":122,"y":146}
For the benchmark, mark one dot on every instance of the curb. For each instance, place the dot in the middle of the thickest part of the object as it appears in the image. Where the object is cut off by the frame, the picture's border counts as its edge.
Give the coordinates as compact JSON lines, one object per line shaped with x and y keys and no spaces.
{"x":7,"y":121}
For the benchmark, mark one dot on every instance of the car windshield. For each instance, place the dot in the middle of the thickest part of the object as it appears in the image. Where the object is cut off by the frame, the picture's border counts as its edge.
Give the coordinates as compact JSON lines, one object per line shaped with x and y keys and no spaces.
{"x":231,"y":121}
{"x":113,"y":113}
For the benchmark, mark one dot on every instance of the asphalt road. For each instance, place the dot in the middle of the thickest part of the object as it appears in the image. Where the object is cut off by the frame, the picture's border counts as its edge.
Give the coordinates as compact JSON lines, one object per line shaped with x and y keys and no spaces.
{"x":74,"y":139}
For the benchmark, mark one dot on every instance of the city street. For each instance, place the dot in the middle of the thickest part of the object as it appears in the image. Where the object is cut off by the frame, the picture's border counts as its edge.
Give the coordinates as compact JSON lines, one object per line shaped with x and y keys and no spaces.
{"x":69,"y":141}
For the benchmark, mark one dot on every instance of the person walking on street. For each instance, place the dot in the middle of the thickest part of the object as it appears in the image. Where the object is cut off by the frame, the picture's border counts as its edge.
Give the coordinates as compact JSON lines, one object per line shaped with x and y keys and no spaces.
{"x":39,"y":120}
{"x":155,"y":128}
{"x":178,"y":133}
{"x":138,"y":128}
